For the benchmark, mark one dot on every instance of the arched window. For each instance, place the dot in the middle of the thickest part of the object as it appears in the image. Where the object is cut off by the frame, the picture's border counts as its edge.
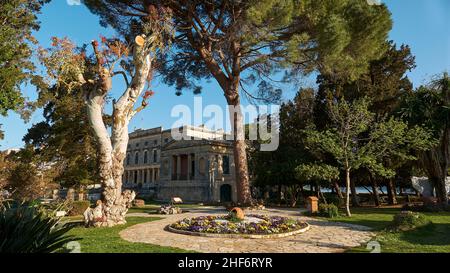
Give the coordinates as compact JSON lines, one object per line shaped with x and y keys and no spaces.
{"x":155,"y":155}
{"x":145,"y":157}
{"x":136,"y":158}
{"x":128,"y":159}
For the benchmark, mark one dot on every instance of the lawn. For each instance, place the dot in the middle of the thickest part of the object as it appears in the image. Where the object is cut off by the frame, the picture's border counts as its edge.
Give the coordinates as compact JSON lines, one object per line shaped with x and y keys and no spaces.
{"x":434,"y":237}
{"x":107,"y":240}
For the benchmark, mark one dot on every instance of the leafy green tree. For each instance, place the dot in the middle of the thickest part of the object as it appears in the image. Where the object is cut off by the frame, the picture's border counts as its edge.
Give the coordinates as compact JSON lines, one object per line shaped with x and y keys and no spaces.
{"x":355,"y":140}
{"x":277,"y":168}
{"x":65,"y":138}
{"x":242,"y":43}
{"x":429,"y":106}
{"x":384,"y":83}
{"x":19,"y":20}
{"x":25,"y":175}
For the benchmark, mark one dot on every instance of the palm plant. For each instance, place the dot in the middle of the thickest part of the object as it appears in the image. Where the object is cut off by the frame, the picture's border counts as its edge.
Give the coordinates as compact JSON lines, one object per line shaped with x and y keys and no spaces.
{"x":26,"y":229}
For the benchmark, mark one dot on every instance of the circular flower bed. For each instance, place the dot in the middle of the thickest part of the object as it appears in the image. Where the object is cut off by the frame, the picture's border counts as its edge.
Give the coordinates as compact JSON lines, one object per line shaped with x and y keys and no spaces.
{"x":253,"y":226}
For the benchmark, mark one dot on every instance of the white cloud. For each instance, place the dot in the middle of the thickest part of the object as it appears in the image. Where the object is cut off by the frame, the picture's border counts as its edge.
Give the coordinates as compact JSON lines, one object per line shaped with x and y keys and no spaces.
{"x":74,"y":2}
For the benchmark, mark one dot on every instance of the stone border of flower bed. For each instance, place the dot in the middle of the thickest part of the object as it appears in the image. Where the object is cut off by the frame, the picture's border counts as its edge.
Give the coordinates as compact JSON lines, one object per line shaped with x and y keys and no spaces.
{"x":238,"y":235}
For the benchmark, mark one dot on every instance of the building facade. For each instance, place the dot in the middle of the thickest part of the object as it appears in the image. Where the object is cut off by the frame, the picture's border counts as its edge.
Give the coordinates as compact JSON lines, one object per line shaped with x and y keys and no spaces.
{"x":197,"y":168}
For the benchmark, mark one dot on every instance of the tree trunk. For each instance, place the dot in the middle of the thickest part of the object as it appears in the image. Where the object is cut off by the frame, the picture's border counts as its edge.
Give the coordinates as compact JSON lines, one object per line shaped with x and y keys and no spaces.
{"x":376,"y":195}
{"x":321,"y":195}
{"x":392,"y":200}
{"x":400,"y":191}
{"x":338,"y":190}
{"x":294,"y":195}
{"x":239,"y":145}
{"x":355,"y":200}
{"x":279,"y":194}
{"x":437,"y":172}
{"x":439,"y":187}
{"x":302,"y":193}
{"x":347,"y":194}
{"x":114,"y":205}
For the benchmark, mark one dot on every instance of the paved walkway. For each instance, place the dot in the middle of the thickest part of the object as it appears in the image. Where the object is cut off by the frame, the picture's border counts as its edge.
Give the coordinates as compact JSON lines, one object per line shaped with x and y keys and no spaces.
{"x":323,"y":236}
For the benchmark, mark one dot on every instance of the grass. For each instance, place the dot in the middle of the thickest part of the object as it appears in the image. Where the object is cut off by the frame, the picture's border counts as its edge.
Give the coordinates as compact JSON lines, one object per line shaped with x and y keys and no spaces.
{"x":107,"y":240}
{"x":434,"y":237}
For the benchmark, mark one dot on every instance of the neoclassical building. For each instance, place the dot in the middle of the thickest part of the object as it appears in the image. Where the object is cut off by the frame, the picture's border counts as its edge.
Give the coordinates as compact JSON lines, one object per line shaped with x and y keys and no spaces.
{"x":197,"y":168}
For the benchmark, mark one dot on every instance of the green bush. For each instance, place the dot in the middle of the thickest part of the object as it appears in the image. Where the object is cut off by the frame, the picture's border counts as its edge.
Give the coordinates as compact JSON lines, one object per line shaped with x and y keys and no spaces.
{"x":334,"y":199}
{"x":328,"y":210}
{"x":78,"y":207}
{"x":25,"y":229}
{"x":427,"y":208}
{"x":408,"y":220}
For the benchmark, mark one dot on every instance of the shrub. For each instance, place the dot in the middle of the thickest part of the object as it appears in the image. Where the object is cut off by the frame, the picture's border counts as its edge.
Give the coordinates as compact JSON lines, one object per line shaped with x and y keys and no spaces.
{"x":408,"y":220}
{"x":328,"y":210}
{"x":78,"y":207}
{"x":334,"y":199}
{"x":138,"y":203}
{"x":25,"y":229}
{"x":426,"y":207}
{"x":50,"y":209}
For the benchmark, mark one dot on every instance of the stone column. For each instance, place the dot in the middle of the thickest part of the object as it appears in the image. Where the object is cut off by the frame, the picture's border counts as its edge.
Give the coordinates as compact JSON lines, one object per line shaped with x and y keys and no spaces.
{"x":219,"y":167}
{"x":178,"y":167}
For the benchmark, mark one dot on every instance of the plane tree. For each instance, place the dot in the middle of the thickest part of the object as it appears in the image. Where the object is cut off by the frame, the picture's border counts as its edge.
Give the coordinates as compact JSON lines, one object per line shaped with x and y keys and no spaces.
{"x":75,"y":68}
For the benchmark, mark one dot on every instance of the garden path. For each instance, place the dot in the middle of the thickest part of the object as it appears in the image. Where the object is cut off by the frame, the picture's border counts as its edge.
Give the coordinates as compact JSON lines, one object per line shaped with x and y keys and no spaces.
{"x":322,"y":237}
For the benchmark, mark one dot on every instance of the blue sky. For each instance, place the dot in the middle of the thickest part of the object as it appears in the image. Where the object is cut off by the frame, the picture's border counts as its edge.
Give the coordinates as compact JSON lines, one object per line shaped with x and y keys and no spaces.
{"x":422,"y":24}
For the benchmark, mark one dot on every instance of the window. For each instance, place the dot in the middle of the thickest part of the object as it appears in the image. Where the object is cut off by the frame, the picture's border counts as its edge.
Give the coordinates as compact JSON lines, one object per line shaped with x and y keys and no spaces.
{"x":145,"y":157}
{"x":135,"y":177}
{"x":155,"y":142}
{"x":202,"y":166}
{"x":136,"y":158}
{"x":137,"y":144}
{"x":226,"y":164}
{"x":128,"y":159}
{"x":155,"y":155}
{"x":166,"y":140}
{"x":145,"y":176}
{"x":146,"y":143}
{"x":192,"y":166}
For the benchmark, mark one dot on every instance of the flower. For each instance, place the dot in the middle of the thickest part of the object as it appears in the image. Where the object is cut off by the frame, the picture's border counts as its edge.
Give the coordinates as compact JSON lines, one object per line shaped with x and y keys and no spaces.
{"x":221,"y":224}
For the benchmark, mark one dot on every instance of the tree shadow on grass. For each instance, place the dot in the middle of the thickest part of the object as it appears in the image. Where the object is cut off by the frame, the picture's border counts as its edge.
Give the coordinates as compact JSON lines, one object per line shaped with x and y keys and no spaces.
{"x":430,"y":234}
